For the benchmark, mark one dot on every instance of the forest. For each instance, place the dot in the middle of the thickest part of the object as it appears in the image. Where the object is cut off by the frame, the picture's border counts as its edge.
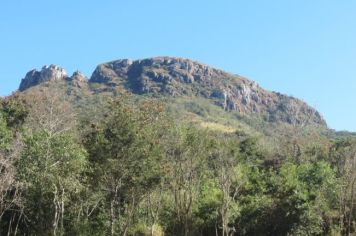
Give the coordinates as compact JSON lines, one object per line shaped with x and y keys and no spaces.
{"x":129,"y":168}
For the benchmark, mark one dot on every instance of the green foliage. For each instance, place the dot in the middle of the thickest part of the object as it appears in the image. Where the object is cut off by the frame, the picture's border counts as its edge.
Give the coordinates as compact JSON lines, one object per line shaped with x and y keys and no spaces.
{"x":130,"y":170}
{"x":307,"y":195}
{"x":124,"y":162}
{"x":5,"y":134}
{"x":14,"y":111}
{"x":51,"y":168}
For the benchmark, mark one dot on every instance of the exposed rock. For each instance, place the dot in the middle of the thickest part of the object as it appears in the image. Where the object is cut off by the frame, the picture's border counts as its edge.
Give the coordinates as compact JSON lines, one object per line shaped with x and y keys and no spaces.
{"x":182,"y":77}
{"x":78,"y":79}
{"x":52,"y":72}
{"x":110,"y":74}
{"x":170,"y":76}
{"x":153,"y":74}
{"x":79,"y":76}
{"x":47,"y":73}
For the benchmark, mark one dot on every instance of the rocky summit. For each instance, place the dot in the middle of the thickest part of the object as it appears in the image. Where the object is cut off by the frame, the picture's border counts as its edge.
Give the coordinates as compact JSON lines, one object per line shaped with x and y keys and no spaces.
{"x":178,"y":77}
{"x":47,"y":73}
{"x":50,"y":73}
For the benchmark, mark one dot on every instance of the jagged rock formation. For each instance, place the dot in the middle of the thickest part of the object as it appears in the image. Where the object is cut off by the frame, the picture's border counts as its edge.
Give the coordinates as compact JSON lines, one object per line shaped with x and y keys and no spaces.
{"x":47,"y":73}
{"x":183,"y":77}
{"x":51,"y":73}
{"x":78,"y":79}
{"x":177,"y":77}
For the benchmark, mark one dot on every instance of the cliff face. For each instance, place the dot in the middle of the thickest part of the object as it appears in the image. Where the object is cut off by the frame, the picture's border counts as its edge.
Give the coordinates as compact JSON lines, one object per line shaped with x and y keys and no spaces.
{"x":182,"y":77}
{"x":47,"y":73}
{"x":177,"y":77}
{"x":51,"y":73}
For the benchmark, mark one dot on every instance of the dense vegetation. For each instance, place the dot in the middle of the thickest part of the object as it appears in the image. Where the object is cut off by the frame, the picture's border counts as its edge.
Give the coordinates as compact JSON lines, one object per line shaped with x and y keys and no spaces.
{"x":131,"y":169}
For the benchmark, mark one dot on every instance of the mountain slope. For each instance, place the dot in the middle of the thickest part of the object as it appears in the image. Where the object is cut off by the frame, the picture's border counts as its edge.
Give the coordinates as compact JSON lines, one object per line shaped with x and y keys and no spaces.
{"x":177,"y":78}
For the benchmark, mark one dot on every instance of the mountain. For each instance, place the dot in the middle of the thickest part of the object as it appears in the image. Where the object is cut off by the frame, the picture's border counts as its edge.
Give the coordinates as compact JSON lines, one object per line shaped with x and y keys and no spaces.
{"x":271,"y":150}
{"x":177,"y":79}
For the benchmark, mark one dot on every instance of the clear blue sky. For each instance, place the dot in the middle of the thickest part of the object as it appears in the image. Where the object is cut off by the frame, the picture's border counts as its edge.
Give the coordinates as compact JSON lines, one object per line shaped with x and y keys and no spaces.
{"x":302,"y":48}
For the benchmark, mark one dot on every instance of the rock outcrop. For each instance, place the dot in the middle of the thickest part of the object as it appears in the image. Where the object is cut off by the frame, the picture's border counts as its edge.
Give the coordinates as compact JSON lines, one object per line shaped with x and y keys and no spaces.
{"x":146,"y":74}
{"x":78,"y":79}
{"x":52,"y":73}
{"x":47,"y":73}
{"x":178,"y":77}
{"x":182,"y":77}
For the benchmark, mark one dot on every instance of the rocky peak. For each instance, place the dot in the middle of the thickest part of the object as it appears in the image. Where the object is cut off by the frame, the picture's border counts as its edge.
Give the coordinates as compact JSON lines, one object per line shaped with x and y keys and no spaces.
{"x":183,"y":77}
{"x":52,"y":72}
{"x":47,"y":73}
{"x":78,"y":79}
{"x":164,"y":69}
{"x":178,"y":77}
{"x":78,"y":76}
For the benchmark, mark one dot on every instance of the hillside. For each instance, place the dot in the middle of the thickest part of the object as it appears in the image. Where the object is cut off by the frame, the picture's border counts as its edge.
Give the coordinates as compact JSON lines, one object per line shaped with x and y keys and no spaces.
{"x":168,"y":146}
{"x":189,"y":88}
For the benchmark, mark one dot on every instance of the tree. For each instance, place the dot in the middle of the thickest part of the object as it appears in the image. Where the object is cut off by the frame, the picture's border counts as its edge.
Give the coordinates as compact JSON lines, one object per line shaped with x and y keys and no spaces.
{"x":306,"y":194}
{"x":343,"y":156}
{"x":51,"y":111}
{"x":186,"y":156}
{"x":13,"y":113}
{"x":230,"y":180}
{"x":123,"y":153}
{"x":51,"y":168}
